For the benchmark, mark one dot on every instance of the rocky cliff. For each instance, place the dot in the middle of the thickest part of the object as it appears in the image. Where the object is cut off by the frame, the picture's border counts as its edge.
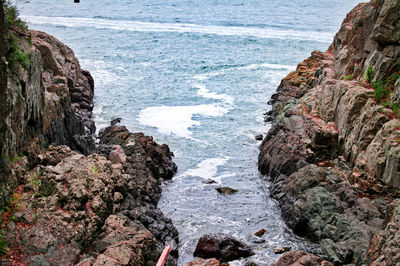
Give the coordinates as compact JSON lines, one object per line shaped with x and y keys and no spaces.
{"x":64,"y":200}
{"x":333,"y":152}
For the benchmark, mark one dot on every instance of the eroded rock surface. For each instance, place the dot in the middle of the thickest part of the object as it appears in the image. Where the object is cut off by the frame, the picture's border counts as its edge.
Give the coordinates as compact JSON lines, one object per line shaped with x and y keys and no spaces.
{"x":332,"y":153}
{"x":62,"y":204}
{"x":74,"y":208}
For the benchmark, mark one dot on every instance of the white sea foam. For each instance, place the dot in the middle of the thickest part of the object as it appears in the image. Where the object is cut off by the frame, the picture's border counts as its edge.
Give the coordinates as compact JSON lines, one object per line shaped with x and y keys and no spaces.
{"x":178,"y":119}
{"x":207,"y":169}
{"x":204,"y":92}
{"x":139,"y":26}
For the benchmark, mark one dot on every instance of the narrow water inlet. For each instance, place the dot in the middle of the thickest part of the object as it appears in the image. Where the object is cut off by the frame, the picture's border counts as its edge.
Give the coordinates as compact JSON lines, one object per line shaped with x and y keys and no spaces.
{"x":198,"y":77}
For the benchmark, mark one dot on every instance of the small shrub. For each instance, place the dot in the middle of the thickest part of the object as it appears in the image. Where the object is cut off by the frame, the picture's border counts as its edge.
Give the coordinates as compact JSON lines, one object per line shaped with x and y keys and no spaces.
{"x":15,"y":54}
{"x":3,"y":246}
{"x":348,"y":77}
{"x":380,"y":90}
{"x":12,"y":18}
{"x":369,"y":74}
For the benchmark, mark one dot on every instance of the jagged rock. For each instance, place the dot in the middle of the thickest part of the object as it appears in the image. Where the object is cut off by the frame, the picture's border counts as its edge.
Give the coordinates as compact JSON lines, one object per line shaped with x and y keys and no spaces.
{"x":86,"y":200}
{"x":117,"y":155}
{"x":332,"y":154}
{"x":204,"y":262}
{"x":384,"y":247}
{"x":300,"y":258}
{"x":222,"y":247}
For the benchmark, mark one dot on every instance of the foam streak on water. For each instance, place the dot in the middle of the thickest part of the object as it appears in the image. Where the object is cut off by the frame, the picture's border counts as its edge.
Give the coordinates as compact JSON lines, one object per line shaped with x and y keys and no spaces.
{"x":266,"y":33}
{"x":178,"y":119}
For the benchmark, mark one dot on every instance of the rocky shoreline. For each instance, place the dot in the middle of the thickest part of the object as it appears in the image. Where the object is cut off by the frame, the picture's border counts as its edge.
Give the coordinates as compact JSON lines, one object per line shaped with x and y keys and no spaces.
{"x":63,"y":199}
{"x":332,"y":154}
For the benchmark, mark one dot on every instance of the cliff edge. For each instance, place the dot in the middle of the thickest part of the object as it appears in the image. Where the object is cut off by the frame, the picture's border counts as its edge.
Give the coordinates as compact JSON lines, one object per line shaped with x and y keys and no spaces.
{"x":333,"y":152}
{"x":64,"y":200}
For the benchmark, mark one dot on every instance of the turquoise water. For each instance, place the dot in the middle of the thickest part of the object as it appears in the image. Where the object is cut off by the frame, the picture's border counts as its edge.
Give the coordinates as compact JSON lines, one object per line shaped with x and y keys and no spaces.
{"x":197,"y":75}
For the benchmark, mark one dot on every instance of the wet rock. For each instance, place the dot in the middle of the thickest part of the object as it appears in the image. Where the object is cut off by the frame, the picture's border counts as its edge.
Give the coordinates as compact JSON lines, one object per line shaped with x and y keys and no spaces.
{"x":204,"y":262}
{"x":226,"y":190}
{"x":282,"y":250}
{"x":222,"y":247}
{"x":259,"y":137}
{"x":301,"y":258}
{"x":209,"y":181}
{"x":260,"y":232}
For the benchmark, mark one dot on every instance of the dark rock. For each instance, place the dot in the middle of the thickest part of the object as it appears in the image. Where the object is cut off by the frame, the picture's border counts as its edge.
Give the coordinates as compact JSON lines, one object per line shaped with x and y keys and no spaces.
{"x":259,"y":137}
{"x":209,"y":181}
{"x":260,"y":233}
{"x":222,"y":247}
{"x":226,"y":190}
{"x":115,"y":121}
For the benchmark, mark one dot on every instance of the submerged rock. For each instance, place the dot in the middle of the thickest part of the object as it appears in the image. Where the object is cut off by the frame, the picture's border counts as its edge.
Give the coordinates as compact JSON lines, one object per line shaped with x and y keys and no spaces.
{"x":260,"y":232}
{"x":226,"y":190}
{"x":282,"y":250}
{"x":222,"y":247}
{"x":259,"y":137}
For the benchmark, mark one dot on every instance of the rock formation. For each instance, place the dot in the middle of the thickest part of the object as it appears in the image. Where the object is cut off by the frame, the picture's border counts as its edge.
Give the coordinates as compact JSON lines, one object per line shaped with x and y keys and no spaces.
{"x":62,"y":199}
{"x":333,"y":152}
{"x":221,"y":247}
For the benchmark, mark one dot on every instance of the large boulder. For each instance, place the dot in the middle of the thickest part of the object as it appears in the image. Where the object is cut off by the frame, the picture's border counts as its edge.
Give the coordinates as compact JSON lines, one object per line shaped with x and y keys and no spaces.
{"x":222,"y":247}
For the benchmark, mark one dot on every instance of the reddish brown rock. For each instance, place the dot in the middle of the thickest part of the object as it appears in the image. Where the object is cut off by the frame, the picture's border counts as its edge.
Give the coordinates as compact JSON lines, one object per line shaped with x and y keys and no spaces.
{"x":117,"y":155}
{"x":300,"y":258}
{"x":204,"y":262}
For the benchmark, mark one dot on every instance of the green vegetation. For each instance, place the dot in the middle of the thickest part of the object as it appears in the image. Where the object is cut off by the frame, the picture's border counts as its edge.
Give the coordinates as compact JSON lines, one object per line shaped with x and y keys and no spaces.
{"x":348,"y":77}
{"x":3,"y":246}
{"x":36,"y":180}
{"x":15,"y":54}
{"x":95,"y":170}
{"x":12,"y":19}
{"x":383,"y":89}
{"x":369,"y":74}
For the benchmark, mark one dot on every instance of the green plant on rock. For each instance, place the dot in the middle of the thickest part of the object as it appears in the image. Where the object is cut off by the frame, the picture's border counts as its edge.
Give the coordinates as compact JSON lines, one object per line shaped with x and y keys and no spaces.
{"x":380,"y":90}
{"x":369,"y":74}
{"x":348,"y":77}
{"x":12,"y":16}
{"x":3,"y":246}
{"x":15,"y":54}
{"x":95,"y":170}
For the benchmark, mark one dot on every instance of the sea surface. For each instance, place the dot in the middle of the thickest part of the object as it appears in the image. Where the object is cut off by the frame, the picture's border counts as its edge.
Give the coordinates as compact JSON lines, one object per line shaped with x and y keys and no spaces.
{"x":197,"y":75}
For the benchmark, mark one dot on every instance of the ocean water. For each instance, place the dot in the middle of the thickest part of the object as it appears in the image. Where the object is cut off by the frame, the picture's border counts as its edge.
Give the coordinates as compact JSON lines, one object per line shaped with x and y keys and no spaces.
{"x":197,"y":75}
